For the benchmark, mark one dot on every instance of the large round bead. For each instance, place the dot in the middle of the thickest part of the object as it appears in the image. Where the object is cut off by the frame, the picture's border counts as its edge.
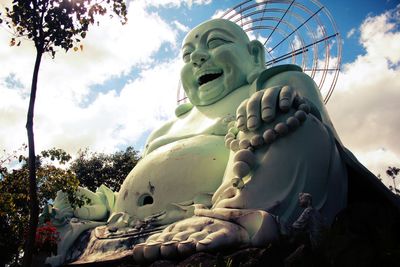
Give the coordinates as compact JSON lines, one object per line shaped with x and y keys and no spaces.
{"x":300,"y":115}
{"x":246,"y":156}
{"x":234,"y":145}
{"x":228,"y":142}
{"x":298,"y":100}
{"x":269,"y":136}
{"x":244,"y":144}
{"x":257,"y":140}
{"x":230,"y":135}
{"x":241,"y":168}
{"x":305,"y":108}
{"x":293,"y":123}
{"x":233,"y":130}
{"x":281,"y":129}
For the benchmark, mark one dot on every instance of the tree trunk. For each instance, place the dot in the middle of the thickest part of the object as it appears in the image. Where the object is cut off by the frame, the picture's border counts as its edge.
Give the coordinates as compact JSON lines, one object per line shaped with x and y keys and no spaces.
{"x":33,"y":200}
{"x":17,"y":257}
{"x":394,"y":184}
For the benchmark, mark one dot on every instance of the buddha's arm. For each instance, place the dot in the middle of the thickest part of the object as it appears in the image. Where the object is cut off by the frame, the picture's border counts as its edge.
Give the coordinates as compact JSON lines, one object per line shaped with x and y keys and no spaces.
{"x":156,"y":134}
{"x":270,"y":115}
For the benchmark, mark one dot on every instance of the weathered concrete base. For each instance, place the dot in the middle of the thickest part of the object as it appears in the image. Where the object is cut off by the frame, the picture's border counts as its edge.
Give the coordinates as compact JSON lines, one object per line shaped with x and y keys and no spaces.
{"x":355,"y":239}
{"x":98,"y":247}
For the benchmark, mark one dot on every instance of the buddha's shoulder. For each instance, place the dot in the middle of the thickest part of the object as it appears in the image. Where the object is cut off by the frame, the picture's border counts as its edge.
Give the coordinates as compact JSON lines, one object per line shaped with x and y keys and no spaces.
{"x":272,"y":73}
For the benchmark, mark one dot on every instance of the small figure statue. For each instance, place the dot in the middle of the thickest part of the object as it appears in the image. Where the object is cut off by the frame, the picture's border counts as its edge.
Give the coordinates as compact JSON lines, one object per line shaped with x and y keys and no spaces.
{"x":310,"y":221}
{"x":306,"y":234}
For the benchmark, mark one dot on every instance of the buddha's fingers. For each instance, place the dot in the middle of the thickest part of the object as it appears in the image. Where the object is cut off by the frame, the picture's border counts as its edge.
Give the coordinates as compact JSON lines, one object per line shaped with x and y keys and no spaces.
{"x":286,"y":97}
{"x":253,"y":111}
{"x":241,"y":116}
{"x":235,"y":202}
{"x":227,"y":193}
{"x":268,"y":103}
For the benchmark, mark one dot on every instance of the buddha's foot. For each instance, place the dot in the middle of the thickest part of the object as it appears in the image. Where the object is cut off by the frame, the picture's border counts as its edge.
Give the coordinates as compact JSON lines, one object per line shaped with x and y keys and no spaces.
{"x":209,"y":230}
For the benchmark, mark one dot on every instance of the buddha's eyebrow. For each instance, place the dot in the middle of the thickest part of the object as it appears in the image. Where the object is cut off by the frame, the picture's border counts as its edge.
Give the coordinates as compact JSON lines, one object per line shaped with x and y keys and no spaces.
{"x":223,"y":31}
{"x":187,"y":45}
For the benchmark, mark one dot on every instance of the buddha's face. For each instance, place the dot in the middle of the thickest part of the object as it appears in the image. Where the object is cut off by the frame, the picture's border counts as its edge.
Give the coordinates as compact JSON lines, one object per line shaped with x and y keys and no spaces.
{"x":216,"y":61}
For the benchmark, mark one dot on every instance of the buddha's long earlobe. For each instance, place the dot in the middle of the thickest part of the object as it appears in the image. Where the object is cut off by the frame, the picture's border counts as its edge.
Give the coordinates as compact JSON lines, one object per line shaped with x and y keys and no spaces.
{"x":256,"y":50}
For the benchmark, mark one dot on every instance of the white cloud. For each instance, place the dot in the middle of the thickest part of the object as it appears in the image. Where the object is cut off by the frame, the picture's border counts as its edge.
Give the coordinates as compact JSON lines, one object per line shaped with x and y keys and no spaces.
{"x":219,"y":12}
{"x":351,"y":32}
{"x":111,"y":119}
{"x":365,"y":105}
{"x":296,"y":43}
{"x":180,"y":26}
{"x":320,"y":32}
{"x":176,"y":3}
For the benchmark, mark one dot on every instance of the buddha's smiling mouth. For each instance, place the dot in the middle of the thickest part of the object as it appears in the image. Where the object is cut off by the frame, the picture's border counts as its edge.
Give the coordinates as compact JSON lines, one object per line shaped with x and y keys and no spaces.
{"x":209,"y":76}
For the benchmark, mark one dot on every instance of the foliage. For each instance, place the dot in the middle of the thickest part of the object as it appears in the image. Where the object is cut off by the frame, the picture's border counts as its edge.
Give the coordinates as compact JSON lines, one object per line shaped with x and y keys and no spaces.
{"x":95,"y":169}
{"x":57,"y":23}
{"x":392,"y":172}
{"x":50,"y":24}
{"x":14,"y":188}
{"x":56,"y":154}
{"x":13,"y":213}
{"x":55,"y":171}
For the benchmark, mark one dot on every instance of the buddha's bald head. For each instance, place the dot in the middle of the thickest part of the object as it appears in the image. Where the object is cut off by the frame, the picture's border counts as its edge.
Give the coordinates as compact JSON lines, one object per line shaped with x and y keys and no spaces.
{"x":219,"y":58}
{"x":217,"y":24}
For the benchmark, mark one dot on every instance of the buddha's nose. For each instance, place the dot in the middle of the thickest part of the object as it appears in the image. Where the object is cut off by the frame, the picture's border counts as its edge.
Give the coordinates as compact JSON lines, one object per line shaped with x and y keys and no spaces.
{"x":198,"y":57}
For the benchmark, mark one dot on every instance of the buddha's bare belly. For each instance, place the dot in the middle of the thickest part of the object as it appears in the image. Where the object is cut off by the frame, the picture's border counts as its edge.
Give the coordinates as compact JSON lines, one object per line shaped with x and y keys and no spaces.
{"x":174,"y":173}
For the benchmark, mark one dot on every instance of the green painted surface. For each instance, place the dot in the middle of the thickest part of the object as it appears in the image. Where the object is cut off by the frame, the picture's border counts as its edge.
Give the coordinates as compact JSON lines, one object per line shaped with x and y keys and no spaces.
{"x":186,"y":161}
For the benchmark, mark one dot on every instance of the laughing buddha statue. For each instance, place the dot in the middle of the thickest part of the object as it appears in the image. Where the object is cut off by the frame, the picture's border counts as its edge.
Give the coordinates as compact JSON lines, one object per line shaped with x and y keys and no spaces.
{"x":228,"y":169}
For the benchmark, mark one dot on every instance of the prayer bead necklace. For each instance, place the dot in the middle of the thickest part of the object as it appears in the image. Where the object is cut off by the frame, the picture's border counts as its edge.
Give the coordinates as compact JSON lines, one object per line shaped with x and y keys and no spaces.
{"x":244,"y":159}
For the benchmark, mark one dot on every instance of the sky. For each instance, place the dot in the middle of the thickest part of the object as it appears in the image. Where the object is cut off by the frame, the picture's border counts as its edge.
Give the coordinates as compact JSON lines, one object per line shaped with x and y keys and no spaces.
{"x":124,"y":82}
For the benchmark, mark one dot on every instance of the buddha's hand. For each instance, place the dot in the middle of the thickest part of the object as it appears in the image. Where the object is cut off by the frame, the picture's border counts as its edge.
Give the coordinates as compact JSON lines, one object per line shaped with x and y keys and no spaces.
{"x":262,"y":106}
{"x":209,"y":230}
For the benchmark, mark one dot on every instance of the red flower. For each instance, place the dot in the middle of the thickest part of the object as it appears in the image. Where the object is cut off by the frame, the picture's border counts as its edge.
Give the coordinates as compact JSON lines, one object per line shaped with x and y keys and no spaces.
{"x":47,"y":238}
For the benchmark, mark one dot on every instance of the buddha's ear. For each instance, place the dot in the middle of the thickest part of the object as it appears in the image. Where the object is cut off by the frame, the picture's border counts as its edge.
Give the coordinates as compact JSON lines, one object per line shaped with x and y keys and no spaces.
{"x":256,"y":50}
